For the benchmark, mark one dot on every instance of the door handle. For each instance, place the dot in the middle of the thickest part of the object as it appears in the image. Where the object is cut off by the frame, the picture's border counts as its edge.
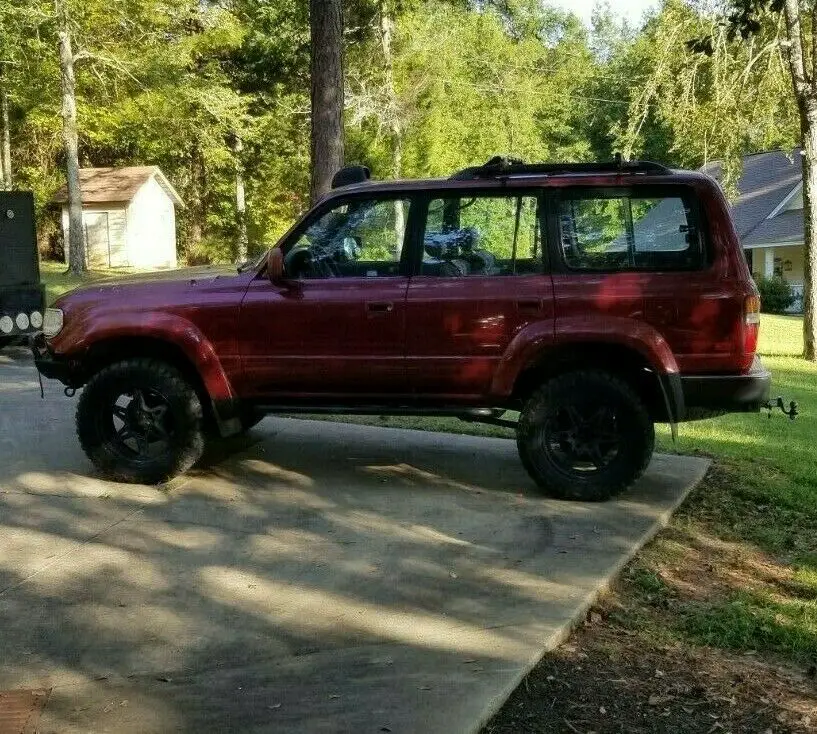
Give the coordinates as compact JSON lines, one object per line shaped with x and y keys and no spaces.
{"x":529,"y":305}
{"x":379,"y":307}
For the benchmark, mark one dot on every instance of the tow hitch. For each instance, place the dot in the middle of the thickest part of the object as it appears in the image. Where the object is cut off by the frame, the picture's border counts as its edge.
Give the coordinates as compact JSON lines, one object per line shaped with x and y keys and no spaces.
{"x":792,"y":411}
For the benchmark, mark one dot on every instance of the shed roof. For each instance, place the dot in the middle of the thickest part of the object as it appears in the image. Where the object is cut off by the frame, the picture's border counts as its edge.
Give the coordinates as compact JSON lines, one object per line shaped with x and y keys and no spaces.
{"x":116,"y":184}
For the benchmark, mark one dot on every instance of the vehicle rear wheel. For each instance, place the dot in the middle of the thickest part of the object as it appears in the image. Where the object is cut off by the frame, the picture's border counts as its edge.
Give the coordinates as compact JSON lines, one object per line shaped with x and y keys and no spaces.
{"x":140,"y":421}
{"x":585,"y":435}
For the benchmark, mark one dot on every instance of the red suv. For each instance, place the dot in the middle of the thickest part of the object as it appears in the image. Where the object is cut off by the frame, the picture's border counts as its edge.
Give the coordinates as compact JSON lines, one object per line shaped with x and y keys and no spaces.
{"x":594,"y":299}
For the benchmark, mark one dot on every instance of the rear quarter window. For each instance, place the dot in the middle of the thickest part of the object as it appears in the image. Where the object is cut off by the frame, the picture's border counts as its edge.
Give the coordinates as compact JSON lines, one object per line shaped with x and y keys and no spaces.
{"x":611,"y":229}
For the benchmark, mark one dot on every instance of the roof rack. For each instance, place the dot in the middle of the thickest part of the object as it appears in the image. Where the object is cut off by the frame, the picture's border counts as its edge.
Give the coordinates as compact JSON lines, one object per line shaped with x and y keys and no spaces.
{"x":500,"y":166}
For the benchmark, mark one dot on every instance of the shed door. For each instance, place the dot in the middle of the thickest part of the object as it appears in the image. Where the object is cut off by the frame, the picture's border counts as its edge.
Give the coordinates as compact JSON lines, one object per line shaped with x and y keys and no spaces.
{"x":117,"y":223}
{"x":97,"y":243}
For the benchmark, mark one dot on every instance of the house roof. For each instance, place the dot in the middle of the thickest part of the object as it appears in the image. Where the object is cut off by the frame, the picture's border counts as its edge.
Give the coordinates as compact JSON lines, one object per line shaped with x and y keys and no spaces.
{"x":116,"y":184}
{"x":767,"y":179}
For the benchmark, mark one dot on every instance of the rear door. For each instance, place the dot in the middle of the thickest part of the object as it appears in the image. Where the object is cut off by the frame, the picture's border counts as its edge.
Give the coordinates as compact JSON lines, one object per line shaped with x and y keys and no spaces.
{"x":481,"y":278}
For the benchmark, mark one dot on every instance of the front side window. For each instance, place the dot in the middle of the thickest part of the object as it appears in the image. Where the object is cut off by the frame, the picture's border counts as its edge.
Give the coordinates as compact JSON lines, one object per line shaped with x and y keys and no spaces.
{"x":361,"y":238}
{"x":628,"y":233}
{"x":469,"y":235}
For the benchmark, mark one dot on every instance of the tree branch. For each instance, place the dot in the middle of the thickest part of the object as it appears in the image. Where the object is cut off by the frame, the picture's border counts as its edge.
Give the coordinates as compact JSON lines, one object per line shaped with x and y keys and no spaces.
{"x":108,"y":61}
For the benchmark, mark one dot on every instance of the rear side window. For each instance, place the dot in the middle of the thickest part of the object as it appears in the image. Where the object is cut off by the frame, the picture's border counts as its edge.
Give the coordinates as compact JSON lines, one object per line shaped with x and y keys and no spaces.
{"x":483,"y":235}
{"x":629,"y":232}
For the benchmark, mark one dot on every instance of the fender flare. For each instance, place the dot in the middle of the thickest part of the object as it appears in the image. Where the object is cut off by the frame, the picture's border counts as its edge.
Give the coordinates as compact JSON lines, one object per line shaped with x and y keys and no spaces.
{"x":174,"y":330}
{"x":529,"y":346}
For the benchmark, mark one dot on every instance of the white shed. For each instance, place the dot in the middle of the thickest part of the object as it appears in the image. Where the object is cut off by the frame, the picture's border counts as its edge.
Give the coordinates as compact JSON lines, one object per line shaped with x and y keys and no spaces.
{"x":129,"y":216}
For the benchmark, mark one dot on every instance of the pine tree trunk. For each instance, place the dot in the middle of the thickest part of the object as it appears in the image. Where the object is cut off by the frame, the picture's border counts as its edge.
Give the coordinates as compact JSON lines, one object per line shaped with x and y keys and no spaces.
{"x":196,"y":202}
{"x":76,"y":237}
{"x":326,"y":23}
{"x":240,"y":201}
{"x":5,"y":136}
{"x":809,"y":131}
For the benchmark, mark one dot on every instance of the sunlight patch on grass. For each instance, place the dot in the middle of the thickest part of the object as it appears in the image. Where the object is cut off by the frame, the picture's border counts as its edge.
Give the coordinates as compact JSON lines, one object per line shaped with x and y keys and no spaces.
{"x":780,"y":335}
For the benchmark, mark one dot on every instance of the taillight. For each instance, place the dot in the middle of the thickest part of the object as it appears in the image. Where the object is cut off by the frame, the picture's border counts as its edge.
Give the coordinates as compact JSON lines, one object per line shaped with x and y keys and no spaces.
{"x":751,"y":323}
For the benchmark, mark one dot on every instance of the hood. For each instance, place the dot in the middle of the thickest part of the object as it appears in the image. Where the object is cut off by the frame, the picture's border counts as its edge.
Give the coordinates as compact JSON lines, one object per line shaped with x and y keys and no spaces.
{"x":199,"y":272}
{"x":147,"y":285}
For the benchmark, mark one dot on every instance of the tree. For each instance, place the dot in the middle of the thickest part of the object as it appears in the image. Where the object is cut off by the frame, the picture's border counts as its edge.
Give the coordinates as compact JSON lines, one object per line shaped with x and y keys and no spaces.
{"x":76,"y":237}
{"x":804,"y":83}
{"x":326,"y":25}
{"x":5,"y":134}
{"x":240,"y":199}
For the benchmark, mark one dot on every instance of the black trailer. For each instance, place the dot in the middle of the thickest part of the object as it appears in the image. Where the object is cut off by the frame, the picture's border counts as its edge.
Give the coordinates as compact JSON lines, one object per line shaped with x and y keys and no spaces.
{"x":22,"y":296}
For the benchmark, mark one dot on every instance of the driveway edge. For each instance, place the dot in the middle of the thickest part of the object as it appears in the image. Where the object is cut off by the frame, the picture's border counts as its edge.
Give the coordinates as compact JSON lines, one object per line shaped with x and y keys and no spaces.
{"x":563,"y":633}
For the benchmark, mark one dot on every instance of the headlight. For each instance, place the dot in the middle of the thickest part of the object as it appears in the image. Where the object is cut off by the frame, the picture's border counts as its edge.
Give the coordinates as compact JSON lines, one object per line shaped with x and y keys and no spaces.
{"x":52,"y":322}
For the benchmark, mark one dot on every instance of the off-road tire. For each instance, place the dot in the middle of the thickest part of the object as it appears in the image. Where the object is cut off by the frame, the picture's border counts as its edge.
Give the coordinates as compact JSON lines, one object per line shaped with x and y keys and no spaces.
{"x":586,"y":387}
{"x":186,"y":444}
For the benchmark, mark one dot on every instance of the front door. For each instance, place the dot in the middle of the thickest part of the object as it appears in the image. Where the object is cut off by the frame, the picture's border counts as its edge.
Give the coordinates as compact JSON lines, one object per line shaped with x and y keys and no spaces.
{"x":481,"y":281}
{"x":337,"y":327}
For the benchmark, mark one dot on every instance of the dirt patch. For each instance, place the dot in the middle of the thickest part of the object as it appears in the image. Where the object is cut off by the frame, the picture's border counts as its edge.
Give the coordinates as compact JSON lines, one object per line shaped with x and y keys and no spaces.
{"x":610,"y":679}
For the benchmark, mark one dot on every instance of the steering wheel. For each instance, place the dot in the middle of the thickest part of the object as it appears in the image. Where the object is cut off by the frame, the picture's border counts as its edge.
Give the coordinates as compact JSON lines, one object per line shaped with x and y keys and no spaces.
{"x":300,"y":262}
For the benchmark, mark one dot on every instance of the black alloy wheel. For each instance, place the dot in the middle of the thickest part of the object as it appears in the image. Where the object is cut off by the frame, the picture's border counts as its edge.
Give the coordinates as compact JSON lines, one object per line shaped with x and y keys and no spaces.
{"x":585,"y":435}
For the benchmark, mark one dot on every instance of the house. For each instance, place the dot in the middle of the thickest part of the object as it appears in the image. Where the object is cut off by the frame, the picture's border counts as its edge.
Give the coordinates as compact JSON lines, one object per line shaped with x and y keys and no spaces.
{"x":129,"y":217}
{"x":768,"y":215}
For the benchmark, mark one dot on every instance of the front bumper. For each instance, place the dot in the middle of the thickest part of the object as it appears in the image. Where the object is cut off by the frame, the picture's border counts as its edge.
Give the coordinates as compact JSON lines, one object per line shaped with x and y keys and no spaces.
{"x":744,"y":393}
{"x":52,"y":366}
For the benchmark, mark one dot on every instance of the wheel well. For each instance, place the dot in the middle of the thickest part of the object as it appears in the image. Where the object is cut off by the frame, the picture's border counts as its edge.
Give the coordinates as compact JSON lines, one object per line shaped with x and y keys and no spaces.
{"x":109,"y":351}
{"x":618,"y":360}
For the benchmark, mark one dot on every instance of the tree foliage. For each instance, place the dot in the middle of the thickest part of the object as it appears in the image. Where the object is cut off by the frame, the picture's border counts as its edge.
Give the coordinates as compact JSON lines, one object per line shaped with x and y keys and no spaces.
{"x":430,"y":86}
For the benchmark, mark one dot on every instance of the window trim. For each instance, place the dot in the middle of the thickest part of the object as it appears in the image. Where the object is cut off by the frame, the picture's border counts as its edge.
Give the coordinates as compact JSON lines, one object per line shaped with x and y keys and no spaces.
{"x":507,"y":192}
{"x":687,"y":194}
{"x":288,"y":241}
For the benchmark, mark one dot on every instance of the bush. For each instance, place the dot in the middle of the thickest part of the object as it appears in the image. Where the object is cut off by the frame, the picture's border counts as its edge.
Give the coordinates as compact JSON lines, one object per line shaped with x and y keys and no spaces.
{"x":776,"y":295}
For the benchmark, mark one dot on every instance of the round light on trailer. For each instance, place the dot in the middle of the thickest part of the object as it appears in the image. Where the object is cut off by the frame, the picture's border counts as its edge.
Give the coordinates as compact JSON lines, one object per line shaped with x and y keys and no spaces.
{"x":36,"y":319}
{"x":6,"y":324}
{"x":22,"y":321}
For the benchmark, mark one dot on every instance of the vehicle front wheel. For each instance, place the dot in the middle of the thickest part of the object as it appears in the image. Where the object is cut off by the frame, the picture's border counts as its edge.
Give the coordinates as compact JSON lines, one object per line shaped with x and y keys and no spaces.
{"x":585,"y":435}
{"x":140,"y":421}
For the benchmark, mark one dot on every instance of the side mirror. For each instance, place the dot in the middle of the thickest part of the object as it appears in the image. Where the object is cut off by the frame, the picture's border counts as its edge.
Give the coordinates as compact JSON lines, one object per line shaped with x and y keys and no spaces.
{"x":275,"y":266}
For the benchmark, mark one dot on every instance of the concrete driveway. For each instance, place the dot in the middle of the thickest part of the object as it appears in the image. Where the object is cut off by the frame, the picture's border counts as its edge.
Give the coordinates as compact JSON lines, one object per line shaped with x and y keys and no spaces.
{"x":320,"y":578}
